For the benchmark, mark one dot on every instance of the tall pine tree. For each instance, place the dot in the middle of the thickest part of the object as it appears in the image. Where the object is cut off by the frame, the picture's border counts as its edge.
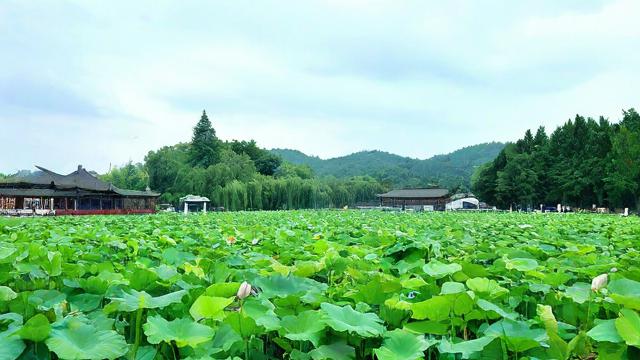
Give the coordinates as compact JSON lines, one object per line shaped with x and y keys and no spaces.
{"x":205,"y":146}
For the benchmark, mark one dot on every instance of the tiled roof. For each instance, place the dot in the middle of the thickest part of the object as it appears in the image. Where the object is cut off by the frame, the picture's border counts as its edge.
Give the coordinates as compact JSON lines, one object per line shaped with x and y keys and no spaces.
{"x":415,"y":193}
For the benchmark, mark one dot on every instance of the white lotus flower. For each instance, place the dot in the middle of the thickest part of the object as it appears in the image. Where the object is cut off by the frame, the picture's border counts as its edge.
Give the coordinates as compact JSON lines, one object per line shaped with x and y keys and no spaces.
{"x":599,"y":282}
{"x":613,"y":269}
{"x":244,"y":290}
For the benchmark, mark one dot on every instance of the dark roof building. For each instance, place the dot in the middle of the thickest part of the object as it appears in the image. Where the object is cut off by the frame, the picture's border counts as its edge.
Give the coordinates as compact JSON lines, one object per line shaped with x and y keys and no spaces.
{"x":79,"y":192}
{"x":419,"y":199}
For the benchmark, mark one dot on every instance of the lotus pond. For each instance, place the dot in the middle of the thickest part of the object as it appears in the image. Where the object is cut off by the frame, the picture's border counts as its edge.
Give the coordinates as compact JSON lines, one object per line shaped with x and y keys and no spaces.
{"x":323,"y":285}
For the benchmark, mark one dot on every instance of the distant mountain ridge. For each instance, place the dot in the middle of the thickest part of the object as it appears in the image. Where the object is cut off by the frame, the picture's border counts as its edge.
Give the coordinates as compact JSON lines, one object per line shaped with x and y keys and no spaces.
{"x":448,"y":170}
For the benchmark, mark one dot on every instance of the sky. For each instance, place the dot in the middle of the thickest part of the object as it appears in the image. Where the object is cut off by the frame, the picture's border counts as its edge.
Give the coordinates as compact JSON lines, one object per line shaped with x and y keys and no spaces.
{"x":101,"y":83}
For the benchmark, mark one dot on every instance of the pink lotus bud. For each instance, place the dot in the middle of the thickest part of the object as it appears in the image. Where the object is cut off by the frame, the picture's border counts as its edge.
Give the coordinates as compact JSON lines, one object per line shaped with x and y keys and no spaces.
{"x":599,"y":282}
{"x":244,"y":290}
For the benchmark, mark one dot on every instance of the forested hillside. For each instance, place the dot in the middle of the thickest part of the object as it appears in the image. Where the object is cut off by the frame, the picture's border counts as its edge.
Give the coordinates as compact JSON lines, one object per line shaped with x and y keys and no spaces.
{"x":238,"y":175}
{"x":582,"y":163}
{"x":449,"y":170}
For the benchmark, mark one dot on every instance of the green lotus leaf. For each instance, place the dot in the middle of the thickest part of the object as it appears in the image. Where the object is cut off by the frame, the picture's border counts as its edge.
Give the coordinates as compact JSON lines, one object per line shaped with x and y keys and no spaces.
{"x":262,"y":311}
{"x":306,"y":326}
{"x":283,"y":286}
{"x":225,"y":338}
{"x":207,"y":307}
{"x":438,"y":270}
{"x":142,"y":278}
{"x":223,"y":289}
{"x":428,"y":327}
{"x":628,"y":326}
{"x":517,"y":335}
{"x":85,"y":302}
{"x":11,"y":346}
{"x":466,"y":348}
{"x":413,"y":283}
{"x":437,"y":308}
{"x":489,"y":306}
{"x":605,"y":330}
{"x":36,"y":329}
{"x":53,"y":266}
{"x":345,"y":318}
{"x":484,"y":286}
{"x":625,"y":292}
{"x":451,"y":287}
{"x":75,"y":339}
{"x":133,"y":300}
{"x":146,"y":353}
{"x":46,"y":299}
{"x":579,"y":292}
{"x":6,"y":294}
{"x":165,"y":272}
{"x":520,"y":264}
{"x":463,"y":304}
{"x":184,"y":332}
{"x":335,"y":351}
{"x":403,"y":345}
{"x":5,"y":253}
{"x":243,"y":324}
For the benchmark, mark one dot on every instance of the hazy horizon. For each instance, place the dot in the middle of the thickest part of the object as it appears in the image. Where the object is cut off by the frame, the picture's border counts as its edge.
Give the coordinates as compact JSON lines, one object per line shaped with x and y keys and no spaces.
{"x":99,"y":84}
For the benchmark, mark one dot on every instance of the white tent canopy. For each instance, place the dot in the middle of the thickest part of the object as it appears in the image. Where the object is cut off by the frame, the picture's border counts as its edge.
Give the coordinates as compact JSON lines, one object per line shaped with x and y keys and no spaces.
{"x":463,"y":203}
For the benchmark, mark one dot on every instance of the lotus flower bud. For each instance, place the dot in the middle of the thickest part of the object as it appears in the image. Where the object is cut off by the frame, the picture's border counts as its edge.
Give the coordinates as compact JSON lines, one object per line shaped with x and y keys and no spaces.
{"x":599,"y":282}
{"x":244,"y":290}
{"x":613,"y":269}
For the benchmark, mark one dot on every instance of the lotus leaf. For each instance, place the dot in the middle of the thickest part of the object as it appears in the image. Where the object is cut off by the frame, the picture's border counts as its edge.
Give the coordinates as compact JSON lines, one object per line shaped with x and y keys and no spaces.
{"x":184,"y":332}
{"x":400,"y":344}
{"x":345,"y":318}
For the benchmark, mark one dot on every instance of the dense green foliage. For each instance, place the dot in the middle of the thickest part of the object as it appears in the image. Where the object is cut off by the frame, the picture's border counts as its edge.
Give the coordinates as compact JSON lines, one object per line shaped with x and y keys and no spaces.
{"x":326,"y":285}
{"x":583,"y":162}
{"x":451,"y":170}
{"x":130,"y":176}
{"x":242,"y":176}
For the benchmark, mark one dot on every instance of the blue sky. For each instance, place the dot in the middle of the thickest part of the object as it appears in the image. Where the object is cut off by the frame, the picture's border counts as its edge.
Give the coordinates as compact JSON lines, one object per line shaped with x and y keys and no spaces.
{"x":99,"y":83}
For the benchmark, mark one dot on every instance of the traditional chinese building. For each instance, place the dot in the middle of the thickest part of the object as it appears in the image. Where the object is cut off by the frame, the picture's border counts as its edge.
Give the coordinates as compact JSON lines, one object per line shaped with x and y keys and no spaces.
{"x":77,"y":193}
{"x":417,"y":199}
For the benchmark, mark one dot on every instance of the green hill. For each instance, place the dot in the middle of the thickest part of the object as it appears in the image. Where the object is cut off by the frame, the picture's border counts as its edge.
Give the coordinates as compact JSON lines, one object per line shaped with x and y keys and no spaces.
{"x":447,"y":170}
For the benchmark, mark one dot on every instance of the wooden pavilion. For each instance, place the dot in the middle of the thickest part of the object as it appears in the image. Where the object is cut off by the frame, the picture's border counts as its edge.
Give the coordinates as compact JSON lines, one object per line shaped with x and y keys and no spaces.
{"x":78,"y":193}
{"x":417,"y":199}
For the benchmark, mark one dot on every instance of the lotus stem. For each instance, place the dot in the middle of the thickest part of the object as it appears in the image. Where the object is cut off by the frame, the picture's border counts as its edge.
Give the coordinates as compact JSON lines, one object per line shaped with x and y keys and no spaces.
{"x":138,"y":333}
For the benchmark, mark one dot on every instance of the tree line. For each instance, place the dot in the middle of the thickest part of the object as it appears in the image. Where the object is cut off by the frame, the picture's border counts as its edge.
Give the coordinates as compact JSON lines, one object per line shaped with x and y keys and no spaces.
{"x":584,"y":162}
{"x":238,"y":175}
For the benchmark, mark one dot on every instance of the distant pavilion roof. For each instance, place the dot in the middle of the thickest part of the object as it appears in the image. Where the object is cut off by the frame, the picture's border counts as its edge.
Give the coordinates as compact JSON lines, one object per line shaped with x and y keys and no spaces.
{"x":194,"y":198}
{"x":79,"y":179}
{"x":430,"y":193}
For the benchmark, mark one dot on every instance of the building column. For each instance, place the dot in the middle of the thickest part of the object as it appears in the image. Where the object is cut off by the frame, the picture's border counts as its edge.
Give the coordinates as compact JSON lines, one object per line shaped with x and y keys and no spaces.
{"x":204,"y":207}
{"x":51,"y":204}
{"x":186,"y":208}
